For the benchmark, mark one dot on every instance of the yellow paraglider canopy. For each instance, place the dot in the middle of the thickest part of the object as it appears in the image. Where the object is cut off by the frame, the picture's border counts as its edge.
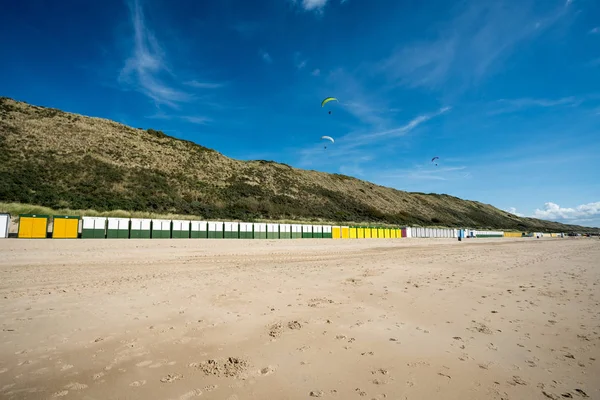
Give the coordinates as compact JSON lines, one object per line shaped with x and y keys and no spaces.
{"x":327,"y":100}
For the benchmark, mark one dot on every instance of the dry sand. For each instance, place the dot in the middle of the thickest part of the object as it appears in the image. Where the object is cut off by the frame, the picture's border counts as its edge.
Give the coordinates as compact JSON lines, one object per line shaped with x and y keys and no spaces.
{"x":359,"y":319}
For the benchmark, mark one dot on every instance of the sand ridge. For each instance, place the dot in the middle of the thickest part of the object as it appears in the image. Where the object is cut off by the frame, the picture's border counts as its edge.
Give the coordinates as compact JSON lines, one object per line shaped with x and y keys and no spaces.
{"x":227,"y":319}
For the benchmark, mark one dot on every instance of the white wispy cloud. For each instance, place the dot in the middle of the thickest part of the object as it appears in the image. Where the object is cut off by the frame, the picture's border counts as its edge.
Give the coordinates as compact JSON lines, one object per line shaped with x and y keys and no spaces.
{"x":265,"y":56}
{"x":423,"y":172}
{"x":595,"y":30}
{"x":355,"y":145}
{"x":352,"y":170}
{"x":311,"y":5}
{"x":418,"y":177}
{"x":199,"y":120}
{"x":352,"y":154}
{"x":364,"y":111}
{"x":358,"y":140}
{"x":160,"y":115}
{"x":316,"y":72}
{"x":367,"y":105}
{"x":204,"y":85}
{"x":554,"y":212}
{"x":420,"y":64}
{"x":536,"y":154}
{"x":526,"y":102}
{"x":194,"y":119}
{"x":470,"y":46}
{"x":143,"y":68}
{"x":511,"y":105}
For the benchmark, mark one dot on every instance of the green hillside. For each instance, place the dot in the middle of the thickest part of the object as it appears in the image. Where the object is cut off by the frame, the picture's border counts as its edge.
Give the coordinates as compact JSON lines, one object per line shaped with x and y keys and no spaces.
{"x":62,"y":160}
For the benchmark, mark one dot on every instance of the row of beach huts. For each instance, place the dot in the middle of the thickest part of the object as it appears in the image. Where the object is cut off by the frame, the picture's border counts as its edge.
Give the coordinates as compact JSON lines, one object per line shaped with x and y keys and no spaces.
{"x":35,"y":226}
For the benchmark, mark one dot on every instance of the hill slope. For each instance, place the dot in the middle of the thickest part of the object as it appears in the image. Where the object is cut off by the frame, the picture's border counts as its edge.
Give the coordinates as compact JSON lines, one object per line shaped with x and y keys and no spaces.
{"x":56,"y":159}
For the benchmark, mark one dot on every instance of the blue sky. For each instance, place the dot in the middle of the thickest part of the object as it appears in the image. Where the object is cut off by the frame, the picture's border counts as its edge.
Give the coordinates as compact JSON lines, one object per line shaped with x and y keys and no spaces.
{"x":506,"y":92}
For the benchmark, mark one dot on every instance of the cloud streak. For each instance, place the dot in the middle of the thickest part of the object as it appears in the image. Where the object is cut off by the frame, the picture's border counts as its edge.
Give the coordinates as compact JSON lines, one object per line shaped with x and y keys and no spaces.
{"x":423,"y":172}
{"x":352,"y":145}
{"x":204,"y":85}
{"x":194,"y":119}
{"x":311,"y":5}
{"x":528,"y":102}
{"x":512,"y":105}
{"x":395,"y":132}
{"x":143,"y":68}
{"x":365,"y":105}
{"x":470,"y":46}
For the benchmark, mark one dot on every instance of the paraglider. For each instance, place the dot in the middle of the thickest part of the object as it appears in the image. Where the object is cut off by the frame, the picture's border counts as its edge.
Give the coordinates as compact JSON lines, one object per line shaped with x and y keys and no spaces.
{"x":435,"y":158}
{"x":327,"y":100}
{"x":328,"y":138}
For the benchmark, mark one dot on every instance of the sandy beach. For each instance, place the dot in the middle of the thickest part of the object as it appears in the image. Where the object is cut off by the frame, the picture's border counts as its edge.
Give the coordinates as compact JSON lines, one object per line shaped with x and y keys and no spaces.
{"x":336,"y":319}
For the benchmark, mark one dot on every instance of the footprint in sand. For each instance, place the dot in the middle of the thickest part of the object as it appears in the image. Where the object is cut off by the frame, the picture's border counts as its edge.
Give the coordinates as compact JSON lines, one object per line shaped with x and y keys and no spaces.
{"x":379,"y":382}
{"x":66,"y":367}
{"x":516,"y":380}
{"x":275,"y":330}
{"x":61,"y":393}
{"x":294,"y":325}
{"x":170,"y":378}
{"x":267,"y":370}
{"x":3,"y":370}
{"x":137,"y":383}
